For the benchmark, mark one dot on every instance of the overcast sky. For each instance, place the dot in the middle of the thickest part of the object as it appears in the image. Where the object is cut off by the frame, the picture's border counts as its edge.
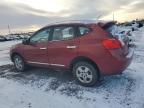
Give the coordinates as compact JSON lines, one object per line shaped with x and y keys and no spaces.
{"x":29,"y":15}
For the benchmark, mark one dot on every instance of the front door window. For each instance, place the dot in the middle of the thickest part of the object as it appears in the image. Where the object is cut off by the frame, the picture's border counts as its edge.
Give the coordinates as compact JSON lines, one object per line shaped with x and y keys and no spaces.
{"x":41,"y":36}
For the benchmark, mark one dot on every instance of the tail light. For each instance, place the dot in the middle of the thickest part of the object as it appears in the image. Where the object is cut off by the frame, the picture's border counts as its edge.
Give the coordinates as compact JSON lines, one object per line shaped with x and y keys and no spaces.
{"x":112,"y":44}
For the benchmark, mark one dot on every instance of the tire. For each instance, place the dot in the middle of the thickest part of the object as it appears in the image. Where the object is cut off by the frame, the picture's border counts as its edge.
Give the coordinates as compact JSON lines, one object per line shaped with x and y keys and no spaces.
{"x":19,"y":63}
{"x":85,"y":73}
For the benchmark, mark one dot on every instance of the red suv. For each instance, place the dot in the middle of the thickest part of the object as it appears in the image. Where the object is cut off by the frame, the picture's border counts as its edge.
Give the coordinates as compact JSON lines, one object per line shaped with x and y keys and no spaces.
{"x":89,"y":50}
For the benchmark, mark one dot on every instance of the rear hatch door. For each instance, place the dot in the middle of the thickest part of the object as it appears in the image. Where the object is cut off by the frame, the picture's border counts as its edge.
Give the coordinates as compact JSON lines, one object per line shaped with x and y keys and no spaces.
{"x":115,"y":32}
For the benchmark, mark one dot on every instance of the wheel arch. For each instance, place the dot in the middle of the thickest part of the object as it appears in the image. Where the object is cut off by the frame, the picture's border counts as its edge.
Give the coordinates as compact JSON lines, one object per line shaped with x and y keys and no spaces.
{"x":15,"y":53}
{"x":86,"y":59}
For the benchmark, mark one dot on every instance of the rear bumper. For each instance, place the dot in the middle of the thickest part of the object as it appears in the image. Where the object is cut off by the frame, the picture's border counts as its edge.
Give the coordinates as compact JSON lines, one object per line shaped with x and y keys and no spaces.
{"x":116,"y":65}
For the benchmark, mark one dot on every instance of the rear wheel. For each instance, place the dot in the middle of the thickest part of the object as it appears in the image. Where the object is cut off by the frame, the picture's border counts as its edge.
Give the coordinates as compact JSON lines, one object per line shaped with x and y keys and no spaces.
{"x":19,"y":63}
{"x":85,"y":73}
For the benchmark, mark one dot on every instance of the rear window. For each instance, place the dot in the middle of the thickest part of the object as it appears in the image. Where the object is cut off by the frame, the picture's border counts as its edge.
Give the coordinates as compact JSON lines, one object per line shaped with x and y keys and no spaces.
{"x":63,"y":33}
{"x":111,"y":28}
{"x":114,"y":30}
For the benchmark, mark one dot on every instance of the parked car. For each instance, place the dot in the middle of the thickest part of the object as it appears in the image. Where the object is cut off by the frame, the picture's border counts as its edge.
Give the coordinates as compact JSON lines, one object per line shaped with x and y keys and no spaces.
{"x":2,"y":39}
{"x":17,"y":37}
{"x":140,"y":25}
{"x":9,"y":37}
{"x":89,"y":50}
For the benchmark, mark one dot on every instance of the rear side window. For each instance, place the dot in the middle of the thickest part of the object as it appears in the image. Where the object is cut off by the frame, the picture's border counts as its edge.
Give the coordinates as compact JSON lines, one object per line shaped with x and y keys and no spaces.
{"x":63,"y":33}
{"x":84,"y":30}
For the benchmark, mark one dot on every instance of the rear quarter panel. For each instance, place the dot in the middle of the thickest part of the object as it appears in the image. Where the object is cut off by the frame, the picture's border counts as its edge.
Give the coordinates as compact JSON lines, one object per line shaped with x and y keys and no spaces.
{"x":91,"y":47}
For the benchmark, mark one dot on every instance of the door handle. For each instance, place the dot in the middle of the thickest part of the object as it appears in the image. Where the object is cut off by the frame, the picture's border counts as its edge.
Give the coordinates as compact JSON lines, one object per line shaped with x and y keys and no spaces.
{"x":71,"y":47}
{"x":43,"y":48}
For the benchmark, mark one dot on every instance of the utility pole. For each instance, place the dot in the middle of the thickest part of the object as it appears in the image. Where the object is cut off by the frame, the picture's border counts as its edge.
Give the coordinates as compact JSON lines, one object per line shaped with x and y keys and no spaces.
{"x":9,"y":29}
{"x":99,"y":16}
{"x":113,"y":17}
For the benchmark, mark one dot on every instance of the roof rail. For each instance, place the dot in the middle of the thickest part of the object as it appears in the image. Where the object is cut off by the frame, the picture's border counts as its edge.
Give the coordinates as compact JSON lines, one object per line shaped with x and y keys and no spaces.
{"x":76,"y":21}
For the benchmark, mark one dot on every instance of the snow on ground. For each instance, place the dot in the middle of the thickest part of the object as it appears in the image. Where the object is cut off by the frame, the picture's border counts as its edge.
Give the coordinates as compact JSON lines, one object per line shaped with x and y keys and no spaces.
{"x":46,"y":88}
{"x":4,"y":51}
{"x":14,"y":95}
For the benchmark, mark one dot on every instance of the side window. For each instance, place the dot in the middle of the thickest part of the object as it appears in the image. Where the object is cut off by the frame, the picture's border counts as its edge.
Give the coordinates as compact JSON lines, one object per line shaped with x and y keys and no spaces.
{"x":63,"y":33}
{"x":84,"y":30}
{"x":41,"y":36}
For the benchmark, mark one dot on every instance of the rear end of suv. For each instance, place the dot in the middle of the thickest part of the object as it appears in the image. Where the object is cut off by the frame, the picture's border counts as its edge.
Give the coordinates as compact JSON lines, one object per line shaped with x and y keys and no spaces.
{"x":116,"y":49}
{"x":89,"y":50}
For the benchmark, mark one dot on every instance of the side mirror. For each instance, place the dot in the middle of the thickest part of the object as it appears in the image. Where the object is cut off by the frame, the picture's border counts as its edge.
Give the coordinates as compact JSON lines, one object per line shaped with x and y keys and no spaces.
{"x":26,"y":41}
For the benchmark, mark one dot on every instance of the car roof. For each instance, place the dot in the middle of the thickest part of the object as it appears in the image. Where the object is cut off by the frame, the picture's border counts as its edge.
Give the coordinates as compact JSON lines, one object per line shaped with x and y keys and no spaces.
{"x":78,"y":22}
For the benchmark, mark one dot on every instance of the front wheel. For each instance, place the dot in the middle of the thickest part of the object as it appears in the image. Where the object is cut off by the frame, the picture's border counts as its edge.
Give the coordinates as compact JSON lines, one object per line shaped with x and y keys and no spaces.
{"x":85,"y":73}
{"x":19,"y":63}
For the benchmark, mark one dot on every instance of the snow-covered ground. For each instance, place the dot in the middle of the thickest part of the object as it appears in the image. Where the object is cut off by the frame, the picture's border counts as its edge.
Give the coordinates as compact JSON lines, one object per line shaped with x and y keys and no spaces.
{"x":4,"y":51}
{"x":46,"y":88}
